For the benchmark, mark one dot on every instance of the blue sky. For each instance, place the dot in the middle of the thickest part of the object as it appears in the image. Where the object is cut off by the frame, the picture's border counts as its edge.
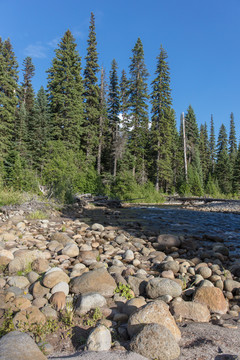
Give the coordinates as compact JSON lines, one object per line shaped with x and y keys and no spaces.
{"x":201,"y":38}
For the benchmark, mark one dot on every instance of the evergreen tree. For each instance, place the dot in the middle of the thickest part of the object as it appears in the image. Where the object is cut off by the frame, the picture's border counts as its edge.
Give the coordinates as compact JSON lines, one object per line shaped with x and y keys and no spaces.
{"x":8,"y":98}
{"x":124,"y":101}
{"x":192,"y":133}
{"x":212,"y":146}
{"x":232,"y":138}
{"x":102,"y":123}
{"x":40,"y":131}
{"x":138,"y":97}
{"x":113,"y":114}
{"x":204,"y":150}
{"x":236,"y":173}
{"x":65,"y":93}
{"x":21,"y":133}
{"x":223,"y":165}
{"x":91,"y":93}
{"x":26,"y":91}
{"x":162,"y":127}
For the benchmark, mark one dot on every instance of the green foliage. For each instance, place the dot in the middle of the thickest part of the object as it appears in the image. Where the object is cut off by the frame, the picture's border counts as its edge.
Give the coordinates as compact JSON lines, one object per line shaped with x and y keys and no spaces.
{"x":7,"y":325}
{"x":126,"y":188}
{"x":37,"y":215}
{"x":10,"y":197}
{"x":93,"y":317}
{"x":66,"y":316}
{"x":124,"y":291}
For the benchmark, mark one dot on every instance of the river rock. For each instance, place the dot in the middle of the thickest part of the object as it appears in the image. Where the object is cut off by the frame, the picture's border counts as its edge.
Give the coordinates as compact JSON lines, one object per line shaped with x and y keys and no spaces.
{"x":99,"y":339}
{"x":137,"y":284}
{"x":133,"y":304}
{"x":156,"y":312}
{"x":38,"y":290}
{"x":18,"y":281}
{"x":158,"y":287}
{"x":49,"y":312}
{"x":31,"y":315}
{"x":166,"y":241}
{"x":89,"y":301}
{"x":155,"y":341}
{"x":17,"y":345}
{"x":204,"y":271}
{"x":40,"y":265}
{"x":22,"y":260}
{"x":71,"y":250}
{"x":21,"y":303}
{"x":170,"y":265}
{"x":230,"y":285}
{"x":212,"y":297}
{"x":55,"y":276}
{"x":98,"y":280}
{"x":98,"y":227}
{"x":61,"y":286}
{"x":129,"y":255}
{"x":5,"y":257}
{"x":62,"y":238}
{"x":190,"y":310}
{"x":88,"y":257}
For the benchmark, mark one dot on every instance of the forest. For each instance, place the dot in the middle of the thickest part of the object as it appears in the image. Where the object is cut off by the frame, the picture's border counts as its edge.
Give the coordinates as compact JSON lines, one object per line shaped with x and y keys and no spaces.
{"x":92,"y":132}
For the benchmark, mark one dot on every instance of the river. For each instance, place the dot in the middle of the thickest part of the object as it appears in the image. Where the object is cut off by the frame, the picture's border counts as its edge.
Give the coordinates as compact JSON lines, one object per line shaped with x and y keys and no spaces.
{"x":179,"y":221}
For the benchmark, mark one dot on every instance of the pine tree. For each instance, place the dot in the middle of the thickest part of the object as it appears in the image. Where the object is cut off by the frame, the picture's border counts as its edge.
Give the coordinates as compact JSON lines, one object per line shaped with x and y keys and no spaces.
{"x":113,"y":113}
{"x":8,"y":98}
{"x":91,"y":93}
{"x":65,"y":91}
{"x":232,"y":138}
{"x":222,"y":165}
{"x":124,"y":101}
{"x":212,"y":146}
{"x":138,"y":97}
{"x":162,"y":127}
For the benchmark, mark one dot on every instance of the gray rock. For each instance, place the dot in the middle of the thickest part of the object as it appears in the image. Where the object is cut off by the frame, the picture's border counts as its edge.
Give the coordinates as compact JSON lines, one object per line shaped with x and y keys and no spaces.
{"x":49,"y":312}
{"x":138,"y":285}
{"x":62,"y":238}
{"x":98,"y":227}
{"x":71,"y":250}
{"x":17,"y":345}
{"x":170,"y":265}
{"x":166,"y":241}
{"x":61,"y":286}
{"x":99,"y":339}
{"x":18,"y":281}
{"x":129,"y":256}
{"x":154,"y":312}
{"x":55,"y":276}
{"x":158,"y":287}
{"x":98,"y":280}
{"x":155,"y":341}
{"x":230,"y":285}
{"x":88,"y":302}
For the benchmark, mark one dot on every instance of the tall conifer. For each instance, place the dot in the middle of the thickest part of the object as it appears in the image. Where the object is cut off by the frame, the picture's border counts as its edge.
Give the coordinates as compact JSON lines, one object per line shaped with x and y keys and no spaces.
{"x":91,"y":93}
{"x":65,"y":91}
{"x":138,"y":97}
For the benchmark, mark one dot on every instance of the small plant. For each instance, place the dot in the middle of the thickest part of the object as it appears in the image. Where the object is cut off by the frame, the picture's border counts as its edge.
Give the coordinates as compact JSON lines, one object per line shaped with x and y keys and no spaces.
{"x":98,"y":258}
{"x":63,"y":228}
{"x":124,"y":291}
{"x":95,"y":316}
{"x":7,"y":325}
{"x":39,"y":330}
{"x":67,"y":314}
{"x":37,"y":215}
{"x":27,"y":270}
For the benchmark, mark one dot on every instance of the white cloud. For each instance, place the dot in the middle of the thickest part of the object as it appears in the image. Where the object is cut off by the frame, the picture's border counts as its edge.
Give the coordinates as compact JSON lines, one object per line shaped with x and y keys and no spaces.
{"x":36,"y":51}
{"x":54,"y":42}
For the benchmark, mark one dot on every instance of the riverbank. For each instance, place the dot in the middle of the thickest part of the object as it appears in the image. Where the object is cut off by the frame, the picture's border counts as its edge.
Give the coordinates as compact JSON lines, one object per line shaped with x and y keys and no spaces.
{"x":112,"y":273}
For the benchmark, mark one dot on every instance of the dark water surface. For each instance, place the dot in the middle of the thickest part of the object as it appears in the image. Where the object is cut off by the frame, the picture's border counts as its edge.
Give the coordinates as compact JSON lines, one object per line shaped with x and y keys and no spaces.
{"x":178,"y":221}
{"x":175,"y":220}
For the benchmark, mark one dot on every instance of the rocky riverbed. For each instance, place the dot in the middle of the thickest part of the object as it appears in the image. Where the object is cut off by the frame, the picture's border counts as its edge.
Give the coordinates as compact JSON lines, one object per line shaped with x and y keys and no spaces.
{"x":90,"y":282}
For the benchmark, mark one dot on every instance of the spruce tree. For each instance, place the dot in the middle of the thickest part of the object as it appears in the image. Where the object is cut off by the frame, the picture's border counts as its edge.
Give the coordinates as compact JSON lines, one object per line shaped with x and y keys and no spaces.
{"x":236,"y":173}
{"x":103,"y":119}
{"x":124,"y":101}
{"x":40,"y":131}
{"x":192,"y":133}
{"x":65,"y":90}
{"x":8,"y":96}
{"x":138,"y":97}
{"x":91,"y":93}
{"x":162,"y":124}
{"x":204,"y":150}
{"x":113,"y":114}
{"x":212,"y":145}
{"x":26,"y":91}
{"x":232,"y":138}
{"x":223,"y":165}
